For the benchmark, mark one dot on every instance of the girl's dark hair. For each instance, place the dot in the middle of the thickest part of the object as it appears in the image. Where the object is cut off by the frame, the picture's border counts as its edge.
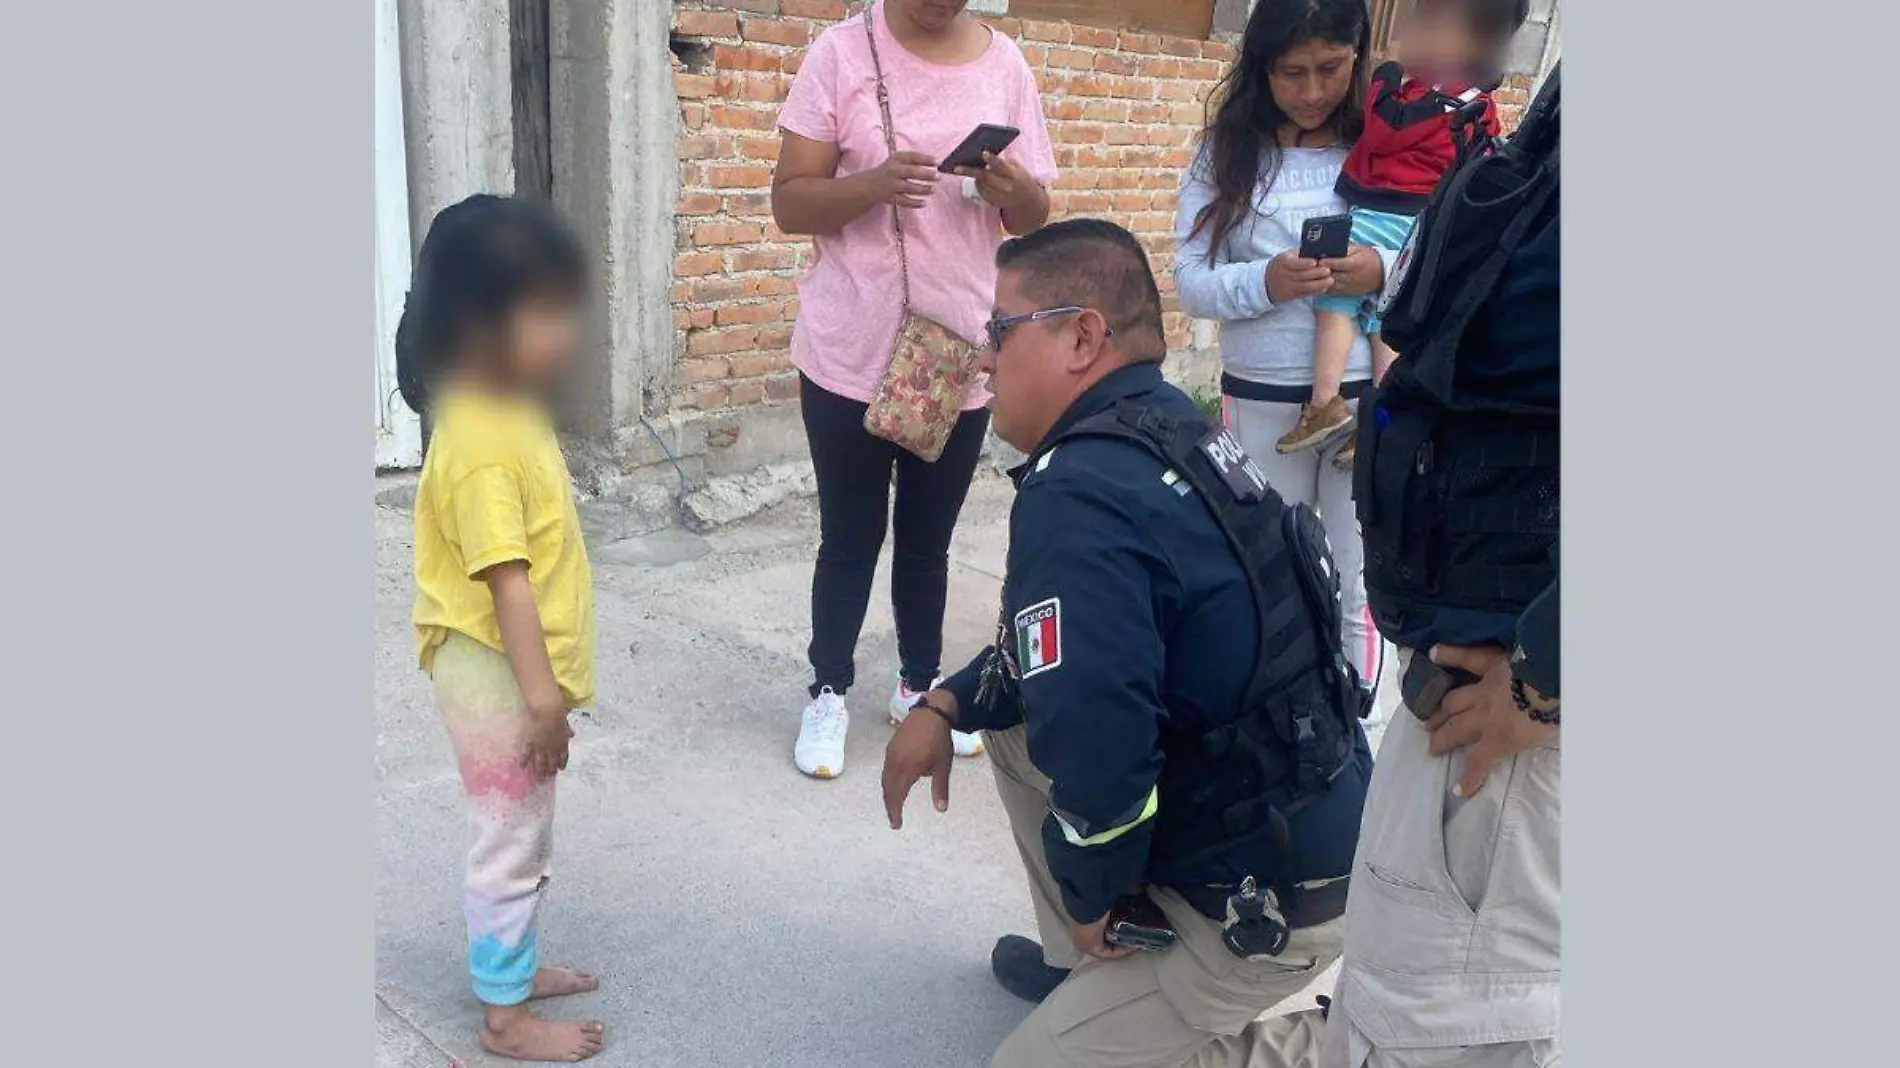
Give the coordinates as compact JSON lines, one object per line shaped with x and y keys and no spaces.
{"x":481,"y":258}
{"x":1242,"y":137}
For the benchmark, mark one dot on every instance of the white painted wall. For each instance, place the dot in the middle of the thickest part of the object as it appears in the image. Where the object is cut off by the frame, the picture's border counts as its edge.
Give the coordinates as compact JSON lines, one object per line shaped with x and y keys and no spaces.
{"x":398,"y":431}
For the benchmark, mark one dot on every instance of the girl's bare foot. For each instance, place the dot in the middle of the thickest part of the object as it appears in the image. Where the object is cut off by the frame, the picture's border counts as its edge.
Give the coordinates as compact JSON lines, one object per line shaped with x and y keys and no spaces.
{"x":560,"y":982}
{"x":512,"y":1031}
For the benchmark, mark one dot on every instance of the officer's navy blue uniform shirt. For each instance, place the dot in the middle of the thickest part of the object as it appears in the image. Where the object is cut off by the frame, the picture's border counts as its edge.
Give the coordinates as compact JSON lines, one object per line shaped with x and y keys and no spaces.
{"x":1153,"y":625}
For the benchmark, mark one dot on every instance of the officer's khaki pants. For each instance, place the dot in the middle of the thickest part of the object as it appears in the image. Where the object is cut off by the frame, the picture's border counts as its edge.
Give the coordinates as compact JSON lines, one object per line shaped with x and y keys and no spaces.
{"x":1452,"y":951}
{"x":1194,"y":1005}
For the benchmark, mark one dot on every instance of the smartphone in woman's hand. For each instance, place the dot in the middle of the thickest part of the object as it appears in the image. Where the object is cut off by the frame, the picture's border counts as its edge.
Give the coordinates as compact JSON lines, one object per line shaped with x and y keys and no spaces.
{"x":985,"y":138}
{"x":1325,"y":237}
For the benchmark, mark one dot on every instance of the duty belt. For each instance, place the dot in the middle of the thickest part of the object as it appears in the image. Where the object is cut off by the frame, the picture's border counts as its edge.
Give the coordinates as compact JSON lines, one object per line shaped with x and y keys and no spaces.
{"x":1314,"y":902}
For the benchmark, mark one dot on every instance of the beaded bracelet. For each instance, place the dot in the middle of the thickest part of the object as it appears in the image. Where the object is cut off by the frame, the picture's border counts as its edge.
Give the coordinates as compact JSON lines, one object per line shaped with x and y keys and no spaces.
{"x":1552,"y":716}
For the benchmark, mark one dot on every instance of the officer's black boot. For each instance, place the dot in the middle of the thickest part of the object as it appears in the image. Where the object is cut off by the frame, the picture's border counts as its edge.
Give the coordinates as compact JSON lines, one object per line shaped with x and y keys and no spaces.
{"x":1018,"y":964}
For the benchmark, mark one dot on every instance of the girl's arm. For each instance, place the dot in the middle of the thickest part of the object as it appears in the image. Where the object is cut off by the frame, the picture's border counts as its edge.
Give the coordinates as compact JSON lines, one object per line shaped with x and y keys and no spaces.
{"x":490,"y":519}
{"x":1222,"y":291}
{"x":523,"y":638}
{"x":527,"y":648}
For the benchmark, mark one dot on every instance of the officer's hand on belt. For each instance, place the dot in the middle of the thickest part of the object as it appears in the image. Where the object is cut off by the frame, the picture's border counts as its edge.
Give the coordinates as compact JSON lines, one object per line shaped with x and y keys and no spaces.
{"x":1482,"y":715}
{"x":1092,"y":939}
{"x":920,"y":746}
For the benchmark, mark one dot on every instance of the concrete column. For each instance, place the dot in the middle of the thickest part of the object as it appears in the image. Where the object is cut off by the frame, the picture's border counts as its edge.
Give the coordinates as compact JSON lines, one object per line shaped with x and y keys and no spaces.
{"x":456,"y":102}
{"x":1553,"y":43}
{"x":1536,"y":40}
{"x":615,"y":125}
{"x":1230,"y":17}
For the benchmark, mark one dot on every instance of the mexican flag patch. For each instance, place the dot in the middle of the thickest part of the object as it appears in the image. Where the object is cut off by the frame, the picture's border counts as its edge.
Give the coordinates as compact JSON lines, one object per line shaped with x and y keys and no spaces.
{"x":1039,"y":637}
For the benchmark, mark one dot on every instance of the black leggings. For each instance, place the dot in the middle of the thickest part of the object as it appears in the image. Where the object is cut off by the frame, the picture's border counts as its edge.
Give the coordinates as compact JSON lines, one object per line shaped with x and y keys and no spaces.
{"x":854,"y":486}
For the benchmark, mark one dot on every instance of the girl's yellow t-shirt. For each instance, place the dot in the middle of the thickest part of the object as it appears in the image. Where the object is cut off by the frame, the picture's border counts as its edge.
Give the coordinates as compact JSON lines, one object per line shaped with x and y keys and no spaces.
{"x":495,"y":488}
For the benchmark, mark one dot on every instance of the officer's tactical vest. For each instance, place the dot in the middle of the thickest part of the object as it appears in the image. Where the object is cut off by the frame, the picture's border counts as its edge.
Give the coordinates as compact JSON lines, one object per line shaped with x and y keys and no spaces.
{"x":1226,"y":793}
{"x":1458,"y":493}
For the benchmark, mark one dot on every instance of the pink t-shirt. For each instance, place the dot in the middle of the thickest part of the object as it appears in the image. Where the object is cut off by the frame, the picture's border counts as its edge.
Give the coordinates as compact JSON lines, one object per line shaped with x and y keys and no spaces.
{"x":851,"y":300}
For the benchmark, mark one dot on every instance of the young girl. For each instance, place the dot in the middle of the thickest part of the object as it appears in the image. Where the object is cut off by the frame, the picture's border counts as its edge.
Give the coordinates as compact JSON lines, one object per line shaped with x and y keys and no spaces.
{"x":504,"y":605}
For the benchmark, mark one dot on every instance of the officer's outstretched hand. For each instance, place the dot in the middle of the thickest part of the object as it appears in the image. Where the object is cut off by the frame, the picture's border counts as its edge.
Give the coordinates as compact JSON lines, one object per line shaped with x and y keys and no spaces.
{"x":920,"y":746}
{"x":1481,"y":717}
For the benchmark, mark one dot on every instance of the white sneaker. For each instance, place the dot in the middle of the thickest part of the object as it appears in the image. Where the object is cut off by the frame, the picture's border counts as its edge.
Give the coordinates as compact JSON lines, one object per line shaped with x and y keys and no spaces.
{"x":820,"y":749}
{"x":966,"y":745}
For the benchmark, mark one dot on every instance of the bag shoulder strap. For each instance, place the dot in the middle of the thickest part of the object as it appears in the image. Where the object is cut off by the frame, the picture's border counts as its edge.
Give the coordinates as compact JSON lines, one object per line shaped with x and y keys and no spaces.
{"x":890,"y":143}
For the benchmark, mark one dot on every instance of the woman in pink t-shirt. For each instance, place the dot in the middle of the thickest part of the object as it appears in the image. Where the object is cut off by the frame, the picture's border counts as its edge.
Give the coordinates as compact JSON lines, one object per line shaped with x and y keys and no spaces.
{"x":945,"y":72}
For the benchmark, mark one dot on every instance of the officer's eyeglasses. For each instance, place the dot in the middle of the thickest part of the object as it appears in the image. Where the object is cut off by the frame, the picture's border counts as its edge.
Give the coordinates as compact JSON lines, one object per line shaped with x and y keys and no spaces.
{"x":1000,"y":326}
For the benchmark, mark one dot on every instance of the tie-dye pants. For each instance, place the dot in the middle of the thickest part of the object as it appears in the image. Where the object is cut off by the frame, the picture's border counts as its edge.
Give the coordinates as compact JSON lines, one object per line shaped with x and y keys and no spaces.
{"x":512,"y":814}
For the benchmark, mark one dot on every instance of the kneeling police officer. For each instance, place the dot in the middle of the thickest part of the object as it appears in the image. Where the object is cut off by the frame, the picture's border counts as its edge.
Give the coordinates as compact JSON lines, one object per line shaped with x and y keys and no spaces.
{"x":1174,"y":729}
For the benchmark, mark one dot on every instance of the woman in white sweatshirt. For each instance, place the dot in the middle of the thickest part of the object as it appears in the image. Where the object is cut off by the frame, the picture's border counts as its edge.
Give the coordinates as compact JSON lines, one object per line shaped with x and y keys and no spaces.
{"x":1286,"y":115}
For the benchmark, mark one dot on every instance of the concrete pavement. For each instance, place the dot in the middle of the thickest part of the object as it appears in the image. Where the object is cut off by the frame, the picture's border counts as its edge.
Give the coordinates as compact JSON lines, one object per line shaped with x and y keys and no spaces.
{"x":736,"y":912}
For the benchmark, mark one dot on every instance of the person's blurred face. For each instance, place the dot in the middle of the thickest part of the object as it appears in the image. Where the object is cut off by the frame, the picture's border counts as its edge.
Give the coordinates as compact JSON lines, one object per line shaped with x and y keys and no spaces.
{"x":1437,"y":42}
{"x":543,"y":335}
{"x":1310,"y":80}
{"x":1031,"y":377}
{"x":934,"y":16}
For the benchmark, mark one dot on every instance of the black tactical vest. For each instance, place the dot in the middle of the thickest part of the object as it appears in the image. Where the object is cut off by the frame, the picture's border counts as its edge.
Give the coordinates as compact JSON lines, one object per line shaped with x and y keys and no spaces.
{"x":1458,"y":490}
{"x":1225,"y":792}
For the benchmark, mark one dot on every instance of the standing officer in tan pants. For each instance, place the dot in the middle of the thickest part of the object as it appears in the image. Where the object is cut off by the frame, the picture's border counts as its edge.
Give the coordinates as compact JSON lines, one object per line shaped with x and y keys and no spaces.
{"x":1453,"y":944}
{"x":1173,"y":725}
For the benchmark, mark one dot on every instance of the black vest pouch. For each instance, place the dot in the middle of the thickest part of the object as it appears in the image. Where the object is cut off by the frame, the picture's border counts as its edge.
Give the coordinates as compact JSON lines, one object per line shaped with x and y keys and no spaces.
{"x":1502,"y":512}
{"x":1401,"y":499}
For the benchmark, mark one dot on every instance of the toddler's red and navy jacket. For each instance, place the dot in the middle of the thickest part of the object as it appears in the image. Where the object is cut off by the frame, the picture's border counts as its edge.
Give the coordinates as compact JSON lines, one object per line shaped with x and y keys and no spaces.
{"x":1408,"y":142}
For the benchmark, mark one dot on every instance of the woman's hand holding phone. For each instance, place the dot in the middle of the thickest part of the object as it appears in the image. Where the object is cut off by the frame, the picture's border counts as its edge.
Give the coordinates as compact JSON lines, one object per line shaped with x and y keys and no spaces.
{"x":903,"y":180}
{"x":1359,"y":272}
{"x":1290,"y":278}
{"x":1002,"y":182}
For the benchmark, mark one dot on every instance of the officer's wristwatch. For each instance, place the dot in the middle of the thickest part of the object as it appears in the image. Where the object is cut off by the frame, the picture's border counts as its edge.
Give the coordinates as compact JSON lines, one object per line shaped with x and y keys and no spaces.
{"x":1533,"y":704}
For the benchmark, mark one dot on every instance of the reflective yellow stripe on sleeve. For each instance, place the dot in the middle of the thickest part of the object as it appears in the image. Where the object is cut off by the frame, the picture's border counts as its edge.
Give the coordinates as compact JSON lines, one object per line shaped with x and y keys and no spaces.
{"x":1147,"y":813}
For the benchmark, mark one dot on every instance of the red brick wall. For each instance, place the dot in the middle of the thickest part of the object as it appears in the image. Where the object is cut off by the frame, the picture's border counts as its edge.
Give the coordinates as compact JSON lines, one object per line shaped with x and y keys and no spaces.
{"x":1123,"y":109}
{"x":1512,"y":98}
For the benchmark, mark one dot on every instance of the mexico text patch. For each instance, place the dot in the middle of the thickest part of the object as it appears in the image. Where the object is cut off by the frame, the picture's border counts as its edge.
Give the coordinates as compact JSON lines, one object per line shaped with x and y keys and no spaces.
{"x":1039,"y":637}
